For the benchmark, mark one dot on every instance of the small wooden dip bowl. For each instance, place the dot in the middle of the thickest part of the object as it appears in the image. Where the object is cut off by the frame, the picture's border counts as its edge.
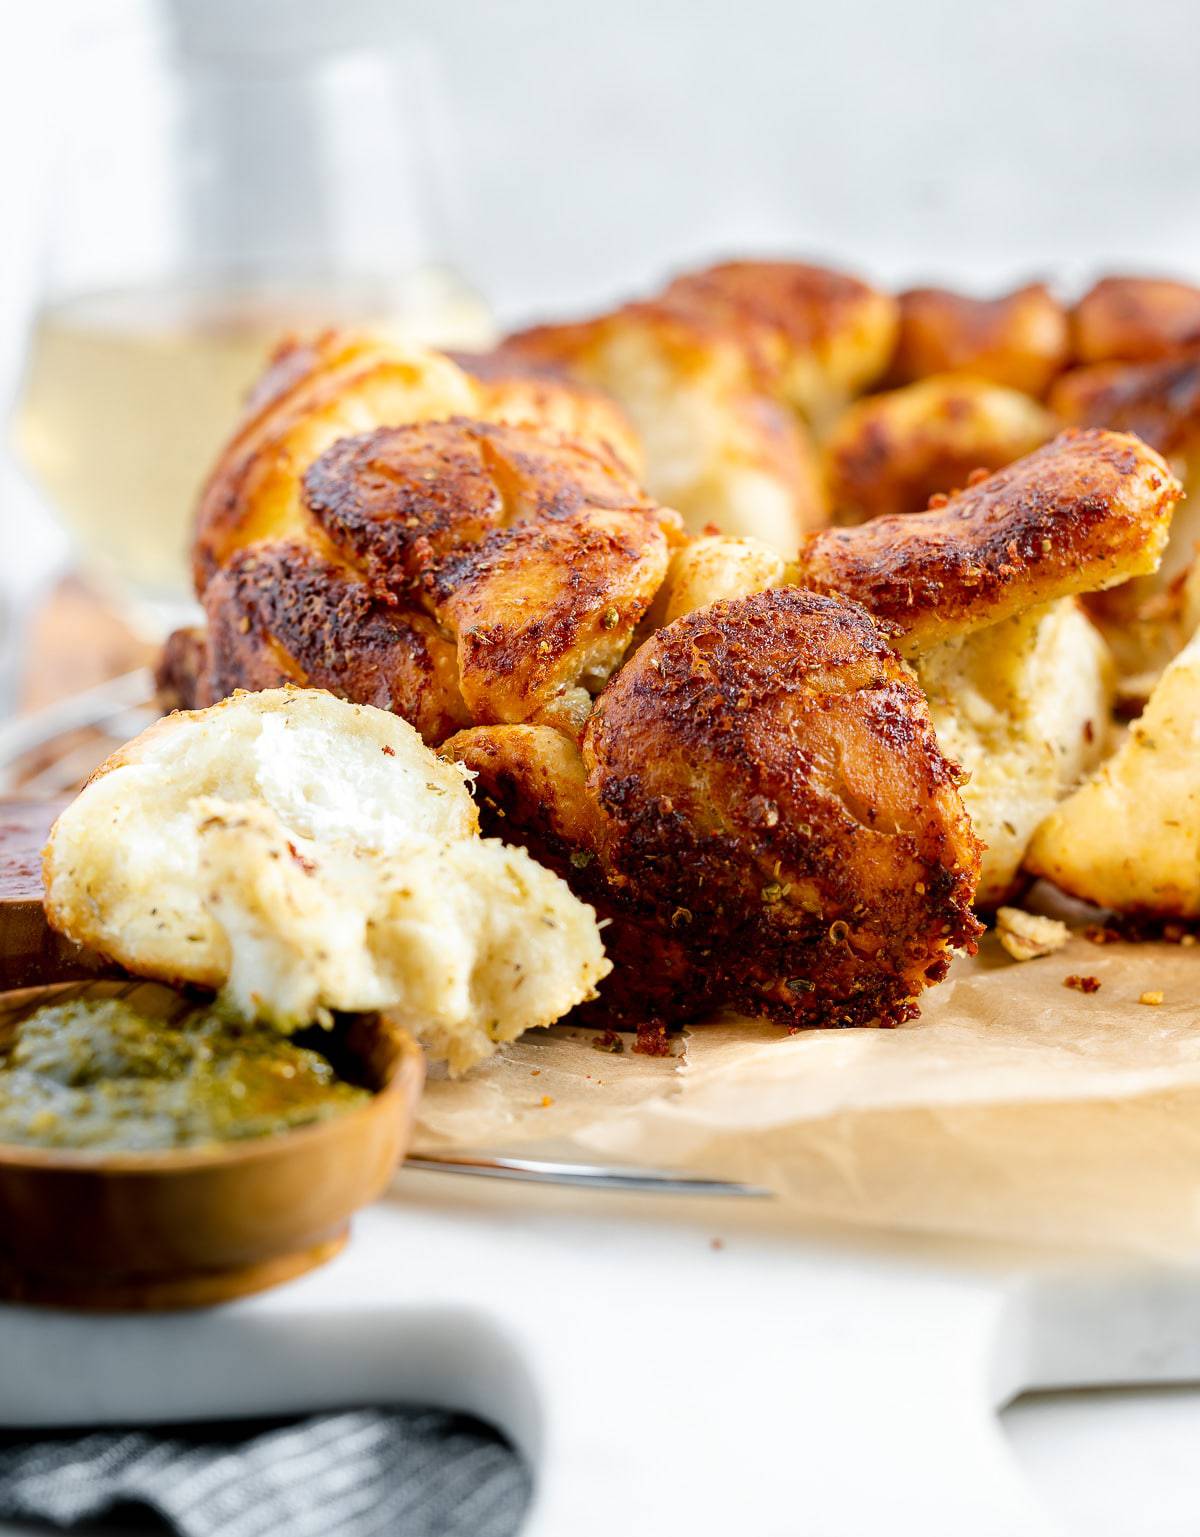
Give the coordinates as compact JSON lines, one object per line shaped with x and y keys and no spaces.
{"x":193,"y":1226}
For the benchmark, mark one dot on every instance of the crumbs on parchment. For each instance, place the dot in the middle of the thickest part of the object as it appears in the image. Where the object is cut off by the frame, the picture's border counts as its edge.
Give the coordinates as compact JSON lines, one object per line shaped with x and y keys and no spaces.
{"x":1082,"y":984}
{"x":652,"y":1040}
{"x":1027,"y":936}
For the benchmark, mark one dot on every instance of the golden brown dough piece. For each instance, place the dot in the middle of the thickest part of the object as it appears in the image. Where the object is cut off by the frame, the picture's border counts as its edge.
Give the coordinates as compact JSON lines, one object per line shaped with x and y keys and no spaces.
{"x":1088,"y":510}
{"x":1160,"y":402}
{"x":342,"y":383}
{"x":717,"y":446}
{"x":891,"y":452}
{"x":449,"y":571}
{"x":1020,"y":697}
{"x":1021,"y":339}
{"x":1129,"y":837}
{"x":713,"y":372}
{"x":1135,"y":319}
{"x":817,"y":336}
{"x":762,"y":809}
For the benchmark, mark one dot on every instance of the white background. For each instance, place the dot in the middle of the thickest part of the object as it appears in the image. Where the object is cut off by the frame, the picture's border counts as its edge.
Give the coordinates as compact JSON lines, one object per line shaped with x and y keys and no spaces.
{"x":598,"y":145}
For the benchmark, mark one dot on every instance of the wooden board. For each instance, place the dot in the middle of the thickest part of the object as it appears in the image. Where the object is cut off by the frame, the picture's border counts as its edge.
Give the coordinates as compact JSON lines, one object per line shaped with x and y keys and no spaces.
{"x":31,"y":953}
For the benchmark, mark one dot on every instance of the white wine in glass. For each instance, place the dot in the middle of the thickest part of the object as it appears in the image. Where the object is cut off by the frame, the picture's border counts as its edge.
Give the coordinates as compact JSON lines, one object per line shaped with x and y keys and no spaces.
{"x":132,"y":384}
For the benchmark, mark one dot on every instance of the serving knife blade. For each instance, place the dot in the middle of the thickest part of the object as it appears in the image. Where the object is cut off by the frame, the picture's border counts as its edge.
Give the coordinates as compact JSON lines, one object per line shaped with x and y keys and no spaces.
{"x":548,"y":1171}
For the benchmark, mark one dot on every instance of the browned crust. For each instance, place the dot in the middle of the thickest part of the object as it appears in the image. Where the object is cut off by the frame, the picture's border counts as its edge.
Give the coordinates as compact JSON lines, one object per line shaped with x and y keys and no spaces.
{"x":182,"y":670}
{"x":1088,"y":510}
{"x":781,"y":308}
{"x":889,"y":453}
{"x":399,"y":500}
{"x":282,"y":613}
{"x":315,"y":392}
{"x":1020,"y":339}
{"x":1159,"y":401}
{"x":449,"y":571}
{"x":1135,"y":319}
{"x":772,"y":821}
{"x":536,"y":556}
{"x":793,"y":329}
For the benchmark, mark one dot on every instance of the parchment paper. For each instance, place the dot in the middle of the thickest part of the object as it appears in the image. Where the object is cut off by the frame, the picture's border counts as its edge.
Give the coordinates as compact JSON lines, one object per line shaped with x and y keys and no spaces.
{"x":1015,"y":1108}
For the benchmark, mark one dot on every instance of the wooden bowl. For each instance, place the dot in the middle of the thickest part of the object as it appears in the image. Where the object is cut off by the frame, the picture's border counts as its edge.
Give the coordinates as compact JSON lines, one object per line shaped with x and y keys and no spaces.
{"x":200,"y":1225}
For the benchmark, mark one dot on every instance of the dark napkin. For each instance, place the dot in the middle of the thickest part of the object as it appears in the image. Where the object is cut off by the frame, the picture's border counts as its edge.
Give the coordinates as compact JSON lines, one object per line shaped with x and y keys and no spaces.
{"x":399,"y":1472}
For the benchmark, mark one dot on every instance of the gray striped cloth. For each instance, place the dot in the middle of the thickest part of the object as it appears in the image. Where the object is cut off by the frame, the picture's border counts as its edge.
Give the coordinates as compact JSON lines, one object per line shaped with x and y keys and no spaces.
{"x":363,"y":1473}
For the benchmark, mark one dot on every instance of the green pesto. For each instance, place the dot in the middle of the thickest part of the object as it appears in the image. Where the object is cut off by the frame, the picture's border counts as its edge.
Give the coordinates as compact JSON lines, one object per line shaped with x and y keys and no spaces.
{"x":99,"y":1073}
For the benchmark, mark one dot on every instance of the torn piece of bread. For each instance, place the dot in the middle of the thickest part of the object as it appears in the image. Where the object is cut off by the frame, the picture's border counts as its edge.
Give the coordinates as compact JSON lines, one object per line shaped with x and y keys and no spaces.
{"x":1129,"y":838}
{"x":466,"y":943}
{"x":1024,"y":707}
{"x":309,"y":855}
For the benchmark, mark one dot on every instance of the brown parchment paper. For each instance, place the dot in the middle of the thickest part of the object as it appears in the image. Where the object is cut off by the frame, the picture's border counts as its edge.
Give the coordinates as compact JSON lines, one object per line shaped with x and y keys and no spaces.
{"x":1014,"y":1109}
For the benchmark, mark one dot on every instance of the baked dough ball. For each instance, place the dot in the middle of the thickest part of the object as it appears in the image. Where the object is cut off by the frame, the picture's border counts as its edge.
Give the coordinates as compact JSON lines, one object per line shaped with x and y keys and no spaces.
{"x":889,"y":453}
{"x":760,"y":806}
{"x":1024,"y":707}
{"x":712,"y":568}
{"x":713,"y":372}
{"x":1019,"y":682}
{"x":1020,"y":339}
{"x":450,"y":571}
{"x":1129,"y":838}
{"x":819,"y":336}
{"x":718,"y":447}
{"x":1086,"y":511}
{"x":1135,"y":319}
{"x":1160,"y":402}
{"x":307,"y":855}
{"x":341,"y":384}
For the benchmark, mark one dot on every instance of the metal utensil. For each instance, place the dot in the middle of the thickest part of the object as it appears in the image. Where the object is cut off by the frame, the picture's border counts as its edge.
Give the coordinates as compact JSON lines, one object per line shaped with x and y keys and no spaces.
{"x":547,"y":1171}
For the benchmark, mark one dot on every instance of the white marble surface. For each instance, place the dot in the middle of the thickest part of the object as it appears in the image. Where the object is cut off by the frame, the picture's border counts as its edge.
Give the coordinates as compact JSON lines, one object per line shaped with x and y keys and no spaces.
{"x":658,"y":1382}
{"x":1108,"y":1464}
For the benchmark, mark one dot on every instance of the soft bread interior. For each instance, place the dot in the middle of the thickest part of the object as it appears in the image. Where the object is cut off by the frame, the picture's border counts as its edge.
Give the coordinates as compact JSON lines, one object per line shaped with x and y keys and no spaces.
{"x":1129,"y":837}
{"x":308,"y":855}
{"x":1024,"y":706}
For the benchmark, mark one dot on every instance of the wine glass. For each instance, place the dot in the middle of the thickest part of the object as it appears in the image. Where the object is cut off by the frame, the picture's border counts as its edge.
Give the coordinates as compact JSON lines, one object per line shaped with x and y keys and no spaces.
{"x":200,"y":209}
